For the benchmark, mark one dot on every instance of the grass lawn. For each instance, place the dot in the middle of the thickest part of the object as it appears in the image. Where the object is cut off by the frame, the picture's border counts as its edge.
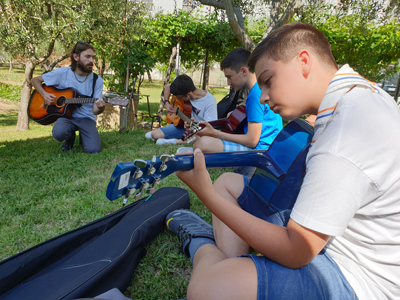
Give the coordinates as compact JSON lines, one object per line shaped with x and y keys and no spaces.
{"x":44,"y":193}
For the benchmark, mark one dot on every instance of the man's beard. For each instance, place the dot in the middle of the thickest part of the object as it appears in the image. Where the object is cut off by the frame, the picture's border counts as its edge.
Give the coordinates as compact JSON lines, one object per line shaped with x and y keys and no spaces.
{"x":83,"y":68}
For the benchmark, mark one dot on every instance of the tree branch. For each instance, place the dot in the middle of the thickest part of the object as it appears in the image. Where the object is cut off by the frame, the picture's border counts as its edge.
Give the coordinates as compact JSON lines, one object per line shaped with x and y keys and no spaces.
{"x":221,"y":5}
{"x":51,"y":45}
{"x":288,"y":14}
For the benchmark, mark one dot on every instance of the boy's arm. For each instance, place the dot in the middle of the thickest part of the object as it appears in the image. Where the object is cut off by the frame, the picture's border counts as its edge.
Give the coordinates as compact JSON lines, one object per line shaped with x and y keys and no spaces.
{"x":250,"y":139}
{"x":293,"y":246}
{"x":167,"y":94}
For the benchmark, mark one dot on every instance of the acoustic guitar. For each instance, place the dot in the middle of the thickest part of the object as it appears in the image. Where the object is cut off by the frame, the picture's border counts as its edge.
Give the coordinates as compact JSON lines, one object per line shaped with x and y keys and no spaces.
{"x":233,"y":124}
{"x":277,"y":180}
{"x":184,"y":106}
{"x":64,"y":105}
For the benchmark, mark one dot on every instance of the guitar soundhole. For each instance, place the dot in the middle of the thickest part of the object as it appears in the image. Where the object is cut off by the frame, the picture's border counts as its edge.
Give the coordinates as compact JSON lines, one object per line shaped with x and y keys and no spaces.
{"x":60,"y":101}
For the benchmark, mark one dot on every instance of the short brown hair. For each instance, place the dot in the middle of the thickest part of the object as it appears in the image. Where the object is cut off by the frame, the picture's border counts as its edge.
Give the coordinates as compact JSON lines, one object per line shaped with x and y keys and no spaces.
{"x":285,"y":43}
{"x":235,"y":60}
{"x":182,"y":85}
{"x":78,"y":49}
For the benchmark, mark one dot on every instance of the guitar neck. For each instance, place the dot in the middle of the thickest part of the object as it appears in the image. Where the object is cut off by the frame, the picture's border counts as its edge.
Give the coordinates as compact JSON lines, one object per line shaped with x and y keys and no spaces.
{"x":82,"y":100}
{"x":255,"y":158}
{"x":181,"y":115}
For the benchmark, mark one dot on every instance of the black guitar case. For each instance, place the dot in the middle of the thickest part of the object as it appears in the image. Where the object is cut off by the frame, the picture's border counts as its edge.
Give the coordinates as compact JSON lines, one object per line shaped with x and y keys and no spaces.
{"x":92,"y":259}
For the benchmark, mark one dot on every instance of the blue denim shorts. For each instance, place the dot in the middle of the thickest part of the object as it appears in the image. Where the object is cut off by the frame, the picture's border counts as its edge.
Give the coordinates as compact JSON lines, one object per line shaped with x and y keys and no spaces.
{"x":320,"y":279}
{"x":172,"y":132}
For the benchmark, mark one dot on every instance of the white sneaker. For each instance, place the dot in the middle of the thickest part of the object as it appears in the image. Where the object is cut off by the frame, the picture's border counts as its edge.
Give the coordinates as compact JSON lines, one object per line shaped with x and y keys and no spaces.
{"x":165,"y":141}
{"x":181,"y":149}
{"x":148,"y":135}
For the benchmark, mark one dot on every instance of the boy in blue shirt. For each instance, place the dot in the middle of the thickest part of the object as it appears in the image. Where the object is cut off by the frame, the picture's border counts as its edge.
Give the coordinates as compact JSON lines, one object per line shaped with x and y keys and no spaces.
{"x":262,"y":126}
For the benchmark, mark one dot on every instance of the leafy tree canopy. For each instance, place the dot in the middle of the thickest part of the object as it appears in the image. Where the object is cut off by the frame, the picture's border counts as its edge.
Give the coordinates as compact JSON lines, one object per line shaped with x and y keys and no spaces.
{"x":364,"y":35}
{"x":195,"y":33}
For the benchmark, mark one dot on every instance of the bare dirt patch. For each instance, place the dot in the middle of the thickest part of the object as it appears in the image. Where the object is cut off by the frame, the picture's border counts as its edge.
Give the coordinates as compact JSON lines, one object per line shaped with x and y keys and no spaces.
{"x":7,"y":106}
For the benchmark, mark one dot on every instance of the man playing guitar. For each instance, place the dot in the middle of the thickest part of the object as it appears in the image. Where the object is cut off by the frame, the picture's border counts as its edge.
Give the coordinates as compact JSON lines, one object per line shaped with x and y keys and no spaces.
{"x":80,"y":77}
{"x":204,"y":108}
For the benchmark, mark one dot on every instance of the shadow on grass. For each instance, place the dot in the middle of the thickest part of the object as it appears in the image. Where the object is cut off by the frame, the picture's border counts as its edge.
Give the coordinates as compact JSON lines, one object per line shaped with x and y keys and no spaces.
{"x":8,"y":119}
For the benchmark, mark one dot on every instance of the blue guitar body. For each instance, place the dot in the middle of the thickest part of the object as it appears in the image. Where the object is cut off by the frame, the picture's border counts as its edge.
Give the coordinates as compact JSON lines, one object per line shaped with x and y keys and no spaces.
{"x":277,"y":181}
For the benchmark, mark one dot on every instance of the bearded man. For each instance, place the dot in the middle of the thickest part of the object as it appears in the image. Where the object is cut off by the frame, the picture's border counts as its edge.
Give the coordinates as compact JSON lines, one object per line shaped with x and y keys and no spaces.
{"x":80,"y":77}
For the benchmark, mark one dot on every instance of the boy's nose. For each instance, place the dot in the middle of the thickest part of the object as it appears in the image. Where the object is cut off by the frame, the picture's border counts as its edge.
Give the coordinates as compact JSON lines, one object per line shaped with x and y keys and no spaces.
{"x":264,"y":98}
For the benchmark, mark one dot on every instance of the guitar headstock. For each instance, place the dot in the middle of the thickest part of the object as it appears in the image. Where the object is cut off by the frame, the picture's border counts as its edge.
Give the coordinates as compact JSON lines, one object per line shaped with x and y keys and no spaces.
{"x":135,"y":178}
{"x":117,"y":101}
{"x":189,"y":133}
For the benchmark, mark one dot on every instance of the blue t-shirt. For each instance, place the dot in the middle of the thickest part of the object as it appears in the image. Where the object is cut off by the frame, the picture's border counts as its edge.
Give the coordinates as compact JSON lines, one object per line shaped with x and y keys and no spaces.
{"x":65,"y":78}
{"x":260,"y":113}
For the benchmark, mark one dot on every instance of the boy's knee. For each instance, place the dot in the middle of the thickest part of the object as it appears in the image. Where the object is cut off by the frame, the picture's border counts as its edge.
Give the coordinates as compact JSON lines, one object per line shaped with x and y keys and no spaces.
{"x":205,"y":144}
{"x":157,"y":134}
{"x":202,"y":288}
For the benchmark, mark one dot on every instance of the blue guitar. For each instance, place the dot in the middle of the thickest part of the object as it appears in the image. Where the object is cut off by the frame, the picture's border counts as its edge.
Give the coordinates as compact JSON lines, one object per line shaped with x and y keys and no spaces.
{"x":280,"y":169}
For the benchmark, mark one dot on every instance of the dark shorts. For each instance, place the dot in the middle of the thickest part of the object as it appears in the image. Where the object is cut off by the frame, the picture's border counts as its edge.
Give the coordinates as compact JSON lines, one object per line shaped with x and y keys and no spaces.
{"x":320,"y":279}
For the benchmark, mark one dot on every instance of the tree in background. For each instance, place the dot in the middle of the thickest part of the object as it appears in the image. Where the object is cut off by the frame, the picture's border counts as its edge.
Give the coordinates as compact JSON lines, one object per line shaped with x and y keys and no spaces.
{"x":135,"y":58}
{"x":196,"y":34}
{"x":31,"y":28}
{"x":364,"y":34}
{"x":280,"y":13}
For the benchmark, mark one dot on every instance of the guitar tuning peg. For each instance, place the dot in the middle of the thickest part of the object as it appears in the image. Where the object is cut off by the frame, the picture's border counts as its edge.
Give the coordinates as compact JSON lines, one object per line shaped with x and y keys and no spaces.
{"x":128,"y":193}
{"x":139,"y":163}
{"x":151,"y":169}
{"x":164,"y":158}
{"x":138,"y":195}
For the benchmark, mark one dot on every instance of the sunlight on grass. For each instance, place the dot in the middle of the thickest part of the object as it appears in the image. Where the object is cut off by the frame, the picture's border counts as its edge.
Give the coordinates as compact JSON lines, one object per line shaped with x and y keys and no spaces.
{"x":44,"y":193}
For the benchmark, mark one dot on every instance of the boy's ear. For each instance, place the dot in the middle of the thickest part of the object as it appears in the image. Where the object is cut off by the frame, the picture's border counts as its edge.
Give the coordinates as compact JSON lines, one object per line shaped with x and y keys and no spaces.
{"x":304,"y":58}
{"x":244,"y":70}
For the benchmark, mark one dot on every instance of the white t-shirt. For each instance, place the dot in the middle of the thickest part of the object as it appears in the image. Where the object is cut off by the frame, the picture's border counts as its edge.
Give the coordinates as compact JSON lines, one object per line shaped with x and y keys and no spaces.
{"x":204,"y":109}
{"x":351,"y":192}
{"x":65,"y":78}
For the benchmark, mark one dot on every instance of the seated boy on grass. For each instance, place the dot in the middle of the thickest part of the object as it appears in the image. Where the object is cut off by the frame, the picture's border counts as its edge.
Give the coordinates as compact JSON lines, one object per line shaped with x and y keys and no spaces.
{"x":341,"y":240}
{"x":262,"y":126}
{"x":204,"y":108}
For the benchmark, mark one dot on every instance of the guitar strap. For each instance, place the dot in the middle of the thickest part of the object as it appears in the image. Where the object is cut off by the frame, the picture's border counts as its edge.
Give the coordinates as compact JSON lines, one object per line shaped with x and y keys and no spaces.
{"x":95,"y":76}
{"x":343,"y":81}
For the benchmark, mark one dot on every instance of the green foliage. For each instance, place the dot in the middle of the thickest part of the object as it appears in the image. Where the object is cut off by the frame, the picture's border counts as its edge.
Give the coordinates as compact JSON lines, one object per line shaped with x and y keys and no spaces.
{"x":196,"y":34}
{"x":359,"y":33}
{"x":139,"y":60}
{"x":368,"y":50}
{"x":10,"y":91}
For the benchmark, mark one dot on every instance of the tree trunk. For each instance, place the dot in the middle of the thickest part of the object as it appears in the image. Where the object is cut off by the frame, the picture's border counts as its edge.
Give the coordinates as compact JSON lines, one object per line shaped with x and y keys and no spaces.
{"x":276,"y":20}
{"x":206,"y":72}
{"x":239,"y":32}
{"x":23,"y":120}
{"x":236,"y":23}
{"x":149,"y":76}
{"x":171,"y":66}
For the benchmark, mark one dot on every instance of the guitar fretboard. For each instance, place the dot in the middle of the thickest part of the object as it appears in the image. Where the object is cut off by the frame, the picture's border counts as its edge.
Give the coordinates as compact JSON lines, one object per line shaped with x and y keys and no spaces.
{"x":183,"y":116}
{"x":81,"y":100}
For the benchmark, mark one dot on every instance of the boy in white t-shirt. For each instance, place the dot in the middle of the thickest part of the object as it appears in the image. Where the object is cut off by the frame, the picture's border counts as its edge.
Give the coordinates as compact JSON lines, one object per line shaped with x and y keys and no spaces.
{"x":203,"y":108}
{"x":342,"y":238}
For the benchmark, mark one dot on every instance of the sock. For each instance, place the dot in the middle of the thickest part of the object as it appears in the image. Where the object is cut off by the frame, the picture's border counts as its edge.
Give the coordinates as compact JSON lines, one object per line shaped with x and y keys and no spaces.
{"x":196,"y":243}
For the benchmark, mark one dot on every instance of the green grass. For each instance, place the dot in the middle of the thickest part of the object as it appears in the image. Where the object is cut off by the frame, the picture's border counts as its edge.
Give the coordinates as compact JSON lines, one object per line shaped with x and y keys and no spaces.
{"x":44,"y":193}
